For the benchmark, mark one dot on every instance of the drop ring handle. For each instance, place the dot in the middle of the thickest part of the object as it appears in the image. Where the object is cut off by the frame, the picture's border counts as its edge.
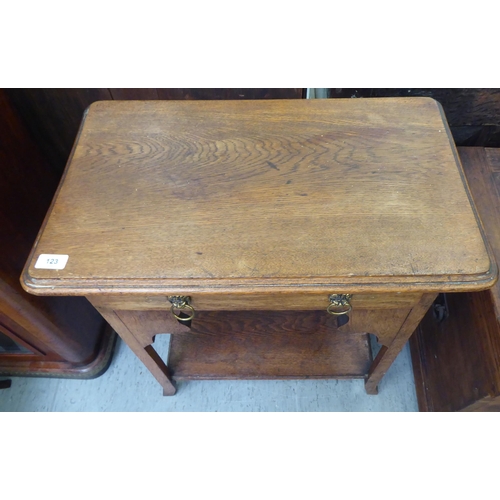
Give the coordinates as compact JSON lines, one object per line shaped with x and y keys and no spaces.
{"x":182,"y":304}
{"x":337,"y":302}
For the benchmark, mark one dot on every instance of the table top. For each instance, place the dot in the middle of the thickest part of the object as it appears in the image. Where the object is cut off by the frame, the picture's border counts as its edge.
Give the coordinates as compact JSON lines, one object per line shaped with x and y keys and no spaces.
{"x":183,"y":196}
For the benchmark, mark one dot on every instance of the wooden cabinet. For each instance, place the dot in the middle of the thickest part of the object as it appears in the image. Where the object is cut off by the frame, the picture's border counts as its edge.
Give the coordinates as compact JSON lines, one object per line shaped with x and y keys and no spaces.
{"x":56,"y":336}
{"x":46,"y":337}
{"x":456,"y":350}
{"x":238,"y":226}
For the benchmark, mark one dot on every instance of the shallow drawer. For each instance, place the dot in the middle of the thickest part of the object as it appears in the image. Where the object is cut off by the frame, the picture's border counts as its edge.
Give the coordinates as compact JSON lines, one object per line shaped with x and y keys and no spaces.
{"x":258,"y":302}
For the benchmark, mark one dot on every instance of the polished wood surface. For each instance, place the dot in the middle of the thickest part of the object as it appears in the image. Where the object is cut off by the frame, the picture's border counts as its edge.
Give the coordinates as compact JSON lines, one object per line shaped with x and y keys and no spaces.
{"x":258,"y":211}
{"x":65,"y":335}
{"x":153,"y":188}
{"x":53,"y":116}
{"x":457,"y":361}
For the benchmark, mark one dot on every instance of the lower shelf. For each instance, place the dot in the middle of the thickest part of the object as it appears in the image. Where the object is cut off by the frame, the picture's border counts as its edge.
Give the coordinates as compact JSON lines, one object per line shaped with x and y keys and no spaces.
{"x":258,"y":354}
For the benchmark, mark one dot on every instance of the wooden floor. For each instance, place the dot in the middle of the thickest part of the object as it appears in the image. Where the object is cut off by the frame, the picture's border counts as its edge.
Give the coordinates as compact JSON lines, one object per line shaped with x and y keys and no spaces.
{"x":127,"y":386}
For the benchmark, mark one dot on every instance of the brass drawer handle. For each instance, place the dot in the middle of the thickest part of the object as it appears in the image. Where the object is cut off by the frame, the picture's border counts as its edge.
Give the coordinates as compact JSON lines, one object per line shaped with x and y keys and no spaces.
{"x":182,"y":304}
{"x":339,"y":304}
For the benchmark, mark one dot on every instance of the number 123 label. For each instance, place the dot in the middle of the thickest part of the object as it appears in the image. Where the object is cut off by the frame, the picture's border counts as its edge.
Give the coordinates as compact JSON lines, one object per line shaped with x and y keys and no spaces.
{"x":51,"y":261}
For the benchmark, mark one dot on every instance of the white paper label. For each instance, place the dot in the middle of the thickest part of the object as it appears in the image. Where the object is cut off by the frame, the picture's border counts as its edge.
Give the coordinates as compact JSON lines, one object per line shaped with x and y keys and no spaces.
{"x":51,"y":261}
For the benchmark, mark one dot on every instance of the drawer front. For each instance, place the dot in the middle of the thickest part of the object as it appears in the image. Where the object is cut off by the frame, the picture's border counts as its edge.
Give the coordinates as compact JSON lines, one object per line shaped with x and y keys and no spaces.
{"x":258,"y":302}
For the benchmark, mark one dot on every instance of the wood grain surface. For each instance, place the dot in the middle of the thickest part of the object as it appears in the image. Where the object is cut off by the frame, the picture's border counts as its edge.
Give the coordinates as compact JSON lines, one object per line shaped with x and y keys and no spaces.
{"x":261,"y":344}
{"x":391,"y":349}
{"x":457,"y":361}
{"x":258,"y":301}
{"x":54,"y":115}
{"x":239,"y":345}
{"x":357,"y":193}
{"x":147,"y":354}
{"x":145,"y":325}
{"x":473,"y":114}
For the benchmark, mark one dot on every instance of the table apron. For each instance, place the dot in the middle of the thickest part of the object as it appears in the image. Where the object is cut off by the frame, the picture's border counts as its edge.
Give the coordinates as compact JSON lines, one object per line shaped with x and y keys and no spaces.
{"x":258,"y":301}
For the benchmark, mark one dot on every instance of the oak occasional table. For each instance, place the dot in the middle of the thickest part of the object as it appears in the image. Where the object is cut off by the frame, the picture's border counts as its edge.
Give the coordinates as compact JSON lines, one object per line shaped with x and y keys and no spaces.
{"x":270,"y":238}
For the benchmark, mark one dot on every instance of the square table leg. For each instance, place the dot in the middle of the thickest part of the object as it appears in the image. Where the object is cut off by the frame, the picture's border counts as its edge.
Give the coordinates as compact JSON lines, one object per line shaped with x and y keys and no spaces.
{"x":146,"y":354}
{"x":389,"y":352}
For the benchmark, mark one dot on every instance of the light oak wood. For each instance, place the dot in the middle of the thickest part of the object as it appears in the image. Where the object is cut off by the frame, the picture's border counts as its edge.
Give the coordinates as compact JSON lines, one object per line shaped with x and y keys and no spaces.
{"x":356,"y":193}
{"x":387,"y":354}
{"x":268,"y":345}
{"x":259,"y":211}
{"x":152,"y":361}
{"x":258,"y":301}
{"x":145,"y":325}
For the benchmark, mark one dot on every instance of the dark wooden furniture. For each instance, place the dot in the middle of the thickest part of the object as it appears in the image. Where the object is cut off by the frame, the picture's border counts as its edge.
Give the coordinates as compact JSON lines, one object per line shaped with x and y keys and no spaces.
{"x":456,"y":356}
{"x":472,"y":114}
{"x":47,"y":336}
{"x":53,"y":116}
{"x":5,"y":384}
{"x":262,"y":216}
